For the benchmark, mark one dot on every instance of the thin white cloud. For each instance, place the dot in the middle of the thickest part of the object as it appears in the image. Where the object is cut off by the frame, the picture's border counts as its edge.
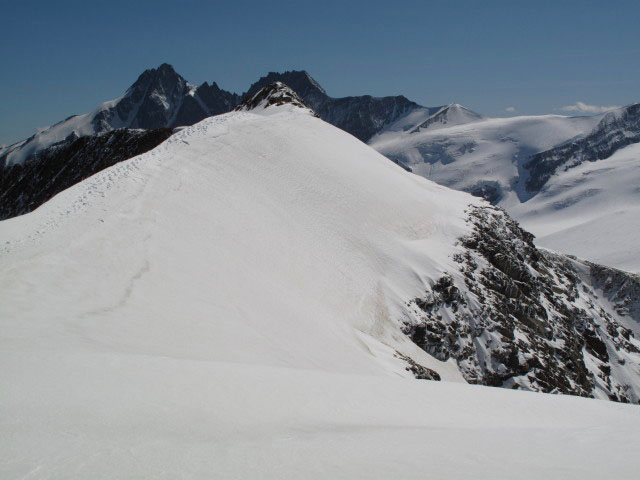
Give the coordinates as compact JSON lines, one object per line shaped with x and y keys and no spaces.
{"x":586,"y":108}
{"x":510,"y":109}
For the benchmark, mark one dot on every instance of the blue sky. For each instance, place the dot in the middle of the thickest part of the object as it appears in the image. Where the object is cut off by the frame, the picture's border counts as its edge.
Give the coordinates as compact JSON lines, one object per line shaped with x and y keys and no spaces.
{"x":65,"y":57}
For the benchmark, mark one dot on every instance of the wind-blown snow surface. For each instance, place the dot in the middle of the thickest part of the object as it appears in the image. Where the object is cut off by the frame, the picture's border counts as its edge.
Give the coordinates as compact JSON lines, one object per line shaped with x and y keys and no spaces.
{"x":224,"y":307}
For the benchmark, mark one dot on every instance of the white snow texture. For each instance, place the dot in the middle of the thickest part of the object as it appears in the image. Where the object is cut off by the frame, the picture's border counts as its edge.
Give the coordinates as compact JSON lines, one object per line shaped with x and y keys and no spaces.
{"x":227,"y":306}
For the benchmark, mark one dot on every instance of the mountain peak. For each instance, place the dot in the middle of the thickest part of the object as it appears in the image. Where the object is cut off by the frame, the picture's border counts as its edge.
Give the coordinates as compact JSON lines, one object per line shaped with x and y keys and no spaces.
{"x":163,"y":78}
{"x":298,"y":80}
{"x":273,"y":94}
{"x":154,"y":100}
{"x":308,"y":78}
{"x":165,"y":67}
{"x":452,"y":114}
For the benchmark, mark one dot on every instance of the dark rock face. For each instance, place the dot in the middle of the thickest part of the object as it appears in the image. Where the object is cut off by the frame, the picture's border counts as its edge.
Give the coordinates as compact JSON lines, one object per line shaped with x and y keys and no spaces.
{"x":217,"y":101}
{"x":26,"y":186}
{"x":362,"y":116}
{"x":158,"y":93}
{"x":161,"y":98}
{"x":616,"y":130}
{"x":518,"y":317}
{"x":274,"y":94}
{"x":299,"y":81}
{"x":620,"y":288}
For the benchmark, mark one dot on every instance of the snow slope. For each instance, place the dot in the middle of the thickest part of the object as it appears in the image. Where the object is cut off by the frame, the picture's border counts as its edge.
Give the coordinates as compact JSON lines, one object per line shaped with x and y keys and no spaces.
{"x":101,"y":415}
{"x":226,"y":305}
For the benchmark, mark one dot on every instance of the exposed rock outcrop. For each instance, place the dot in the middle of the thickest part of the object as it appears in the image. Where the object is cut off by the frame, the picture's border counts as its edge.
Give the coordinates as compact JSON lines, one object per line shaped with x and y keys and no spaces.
{"x":274,"y":94}
{"x":516,"y":316}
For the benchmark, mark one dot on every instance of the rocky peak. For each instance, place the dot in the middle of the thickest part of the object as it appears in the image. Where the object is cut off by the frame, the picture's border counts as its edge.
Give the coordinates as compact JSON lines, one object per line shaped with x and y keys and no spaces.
{"x":453,"y":114}
{"x":212,"y":87}
{"x":299,"y":81}
{"x":151,"y":102}
{"x":274,"y":94}
{"x":162,"y":80}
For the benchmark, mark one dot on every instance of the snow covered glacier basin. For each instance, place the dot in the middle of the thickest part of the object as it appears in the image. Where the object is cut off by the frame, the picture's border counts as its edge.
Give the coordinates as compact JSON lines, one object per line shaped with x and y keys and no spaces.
{"x":227,"y":306}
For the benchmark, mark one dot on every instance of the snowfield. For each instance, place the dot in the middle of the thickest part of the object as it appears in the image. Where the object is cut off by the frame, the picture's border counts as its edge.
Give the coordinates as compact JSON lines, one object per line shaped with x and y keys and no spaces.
{"x":227,"y":305}
{"x":590,"y":211}
{"x":467,"y":151}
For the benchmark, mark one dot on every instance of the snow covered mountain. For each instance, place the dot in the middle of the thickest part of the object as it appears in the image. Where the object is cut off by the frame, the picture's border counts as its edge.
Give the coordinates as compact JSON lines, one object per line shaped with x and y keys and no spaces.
{"x":159,"y":98}
{"x":252,"y":296}
{"x":448,"y":116}
{"x":567,"y":179}
{"x":615,"y":130}
{"x":484,"y":280}
{"x":33,"y":170}
{"x":591,"y":209}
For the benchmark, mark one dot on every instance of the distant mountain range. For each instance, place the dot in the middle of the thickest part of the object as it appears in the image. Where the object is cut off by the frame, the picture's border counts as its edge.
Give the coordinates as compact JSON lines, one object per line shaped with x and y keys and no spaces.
{"x":160,"y":98}
{"x":362,"y":116}
{"x":567,"y":179}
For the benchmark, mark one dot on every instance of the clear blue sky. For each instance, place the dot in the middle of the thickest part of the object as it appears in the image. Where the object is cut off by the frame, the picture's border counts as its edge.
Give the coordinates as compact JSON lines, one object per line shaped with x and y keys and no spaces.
{"x":65,"y":57}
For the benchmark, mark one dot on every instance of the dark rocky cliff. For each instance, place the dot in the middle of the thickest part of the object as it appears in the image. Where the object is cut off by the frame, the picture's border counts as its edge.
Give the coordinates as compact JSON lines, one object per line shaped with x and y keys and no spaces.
{"x":26,"y":186}
{"x":516,"y":316}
